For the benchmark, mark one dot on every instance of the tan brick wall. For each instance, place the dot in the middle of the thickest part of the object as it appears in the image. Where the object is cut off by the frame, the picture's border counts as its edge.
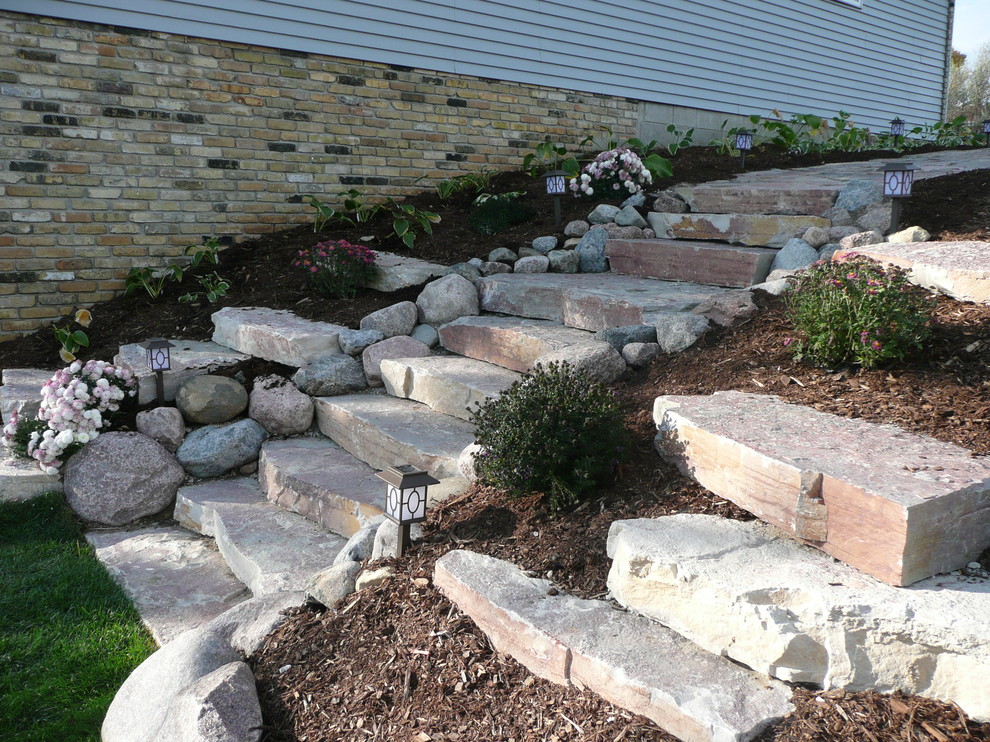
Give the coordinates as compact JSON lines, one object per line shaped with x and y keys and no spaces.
{"x":119,"y":147}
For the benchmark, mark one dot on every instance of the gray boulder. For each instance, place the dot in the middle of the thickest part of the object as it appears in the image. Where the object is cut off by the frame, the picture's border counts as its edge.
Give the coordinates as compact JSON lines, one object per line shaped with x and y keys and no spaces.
{"x":838,"y":217}
{"x":630,"y":217}
{"x":279,"y":407}
{"x":387,"y":536}
{"x":677,"y":331}
{"x":467,"y":464}
{"x":878,"y":218}
{"x":638,"y":355}
{"x":591,"y":251}
{"x":837,"y":233}
{"x":637,"y":199}
{"x":828,"y":250}
{"x":856,"y":195}
{"x":492,"y":267}
{"x":620,"y":337}
{"x":121,"y":477}
{"x":668,"y":202}
{"x":163,"y":424}
{"x":564,"y":261}
{"x":527,"y":252}
{"x":466,"y":270}
{"x":794,"y":254}
{"x":476,"y":262}
{"x":911,"y":234}
{"x":446,"y":299}
{"x":361,"y":543}
{"x":781,"y":285}
{"x":533,"y":264}
{"x":543,"y":245}
{"x":502,"y":255}
{"x":216,"y":449}
{"x":600,"y":361}
{"x":615,"y":232}
{"x":729,"y":309}
{"x":398,"y":319}
{"x":353,"y":342}
{"x":330,"y":375}
{"x":208,"y":400}
{"x":426,"y":334}
{"x":861,"y":239}
{"x":333,"y":584}
{"x":815,"y":236}
{"x":603,"y":213}
{"x":576,"y":228}
{"x":397,"y":347}
{"x":222,"y":706}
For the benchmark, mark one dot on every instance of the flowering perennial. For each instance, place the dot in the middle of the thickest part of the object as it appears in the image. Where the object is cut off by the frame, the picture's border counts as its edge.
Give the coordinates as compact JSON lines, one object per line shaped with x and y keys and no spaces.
{"x":618,"y":169}
{"x":337,"y":267}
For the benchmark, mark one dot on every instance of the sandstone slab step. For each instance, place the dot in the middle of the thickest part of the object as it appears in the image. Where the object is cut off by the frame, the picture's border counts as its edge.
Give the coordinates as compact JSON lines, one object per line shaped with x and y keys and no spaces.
{"x":384,"y":431}
{"x":176,"y":579}
{"x":275,"y":334}
{"x":957,"y":269}
{"x":509,"y":342}
{"x":21,"y":479}
{"x":588,"y":301}
{"x":899,"y":506}
{"x":755,"y":230}
{"x":451,"y":385}
{"x":319,"y":480}
{"x":746,"y":591}
{"x":687,"y":260}
{"x":729,"y":197}
{"x":21,"y":391}
{"x":188,"y":358}
{"x":270,"y":550}
{"x":627,"y":659}
{"x":400,"y":271}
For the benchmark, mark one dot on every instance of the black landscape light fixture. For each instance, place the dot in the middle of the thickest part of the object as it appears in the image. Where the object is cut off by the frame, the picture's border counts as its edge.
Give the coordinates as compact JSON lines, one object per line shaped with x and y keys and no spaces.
{"x":159,"y":360}
{"x":896,"y":129}
{"x":986,"y":131}
{"x":556,"y":187}
{"x":406,"y":496}
{"x":898,"y":178}
{"x":744,"y":143}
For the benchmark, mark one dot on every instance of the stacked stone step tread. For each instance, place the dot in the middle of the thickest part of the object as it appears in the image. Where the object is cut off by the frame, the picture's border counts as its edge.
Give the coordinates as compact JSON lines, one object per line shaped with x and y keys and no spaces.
{"x":21,"y":391}
{"x":627,"y":659}
{"x":397,"y":272}
{"x":509,"y":342}
{"x":275,"y":334}
{"x":728,"y":197}
{"x":911,"y":507}
{"x":22,"y":479}
{"x":177,"y":580}
{"x":588,"y":301}
{"x":385,"y":431}
{"x":796,"y":614}
{"x":319,"y":480}
{"x":451,"y":385}
{"x":691,"y":260}
{"x":754,"y":230}
{"x":269,"y":549}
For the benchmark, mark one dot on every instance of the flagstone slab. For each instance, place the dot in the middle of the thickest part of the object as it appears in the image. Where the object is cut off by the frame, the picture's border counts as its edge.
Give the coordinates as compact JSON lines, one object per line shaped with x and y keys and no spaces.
{"x":957,"y":269}
{"x":627,"y":659}
{"x":399,"y":272}
{"x":176,"y":579}
{"x":275,"y":334}
{"x":759,"y":198}
{"x":748,"y":592}
{"x":451,"y":385}
{"x":21,"y":391}
{"x":22,"y":479}
{"x":755,"y":230}
{"x":319,"y":480}
{"x":899,"y":506}
{"x":509,"y":342}
{"x":188,"y":358}
{"x":688,"y":260}
{"x":269,"y":549}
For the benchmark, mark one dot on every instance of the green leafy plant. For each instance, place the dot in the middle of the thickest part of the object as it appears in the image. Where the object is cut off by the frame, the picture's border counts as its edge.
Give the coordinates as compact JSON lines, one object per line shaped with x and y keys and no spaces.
{"x":681,"y":139}
{"x":408,"y":221}
{"x":484,"y":198}
{"x":73,"y":340}
{"x":857,"y":311}
{"x":659,"y":167}
{"x":208,"y":252}
{"x":337,"y":267}
{"x":557,"y":432}
{"x":326,"y":215}
{"x":494,"y":213}
{"x":548,"y":156}
{"x":474,"y":182}
{"x":213,"y":287}
{"x":153,"y":281}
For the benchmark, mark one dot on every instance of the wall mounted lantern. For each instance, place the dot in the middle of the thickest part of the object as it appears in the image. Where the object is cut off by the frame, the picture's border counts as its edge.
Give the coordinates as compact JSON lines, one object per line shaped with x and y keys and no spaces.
{"x":896,"y":130}
{"x":406,"y":495}
{"x":898,"y":179}
{"x":744,"y":143}
{"x":159,"y":360}
{"x":556,"y":187}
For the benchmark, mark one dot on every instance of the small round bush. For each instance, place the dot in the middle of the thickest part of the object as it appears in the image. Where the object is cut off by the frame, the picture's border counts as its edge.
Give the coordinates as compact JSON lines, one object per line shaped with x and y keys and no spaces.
{"x":337,"y":267}
{"x":557,"y":432}
{"x":857,"y":311}
{"x":498,"y":214}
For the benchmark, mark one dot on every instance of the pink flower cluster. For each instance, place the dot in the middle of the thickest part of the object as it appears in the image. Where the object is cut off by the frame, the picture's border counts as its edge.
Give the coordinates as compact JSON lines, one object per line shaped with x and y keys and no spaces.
{"x":333,"y":251}
{"x":621,"y":167}
{"x":73,"y":404}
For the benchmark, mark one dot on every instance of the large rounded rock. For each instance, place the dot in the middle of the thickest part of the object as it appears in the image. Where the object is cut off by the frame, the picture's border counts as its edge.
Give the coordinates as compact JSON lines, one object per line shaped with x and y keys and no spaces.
{"x":398,"y":319}
{"x":209,"y":400}
{"x":603,"y":213}
{"x":668,"y":202}
{"x":576,"y":228}
{"x":279,"y":407}
{"x":600,"y":361}
{"x":446,"y":299}
{"x":630,"y":217}
{"x":219,"y":707}
{"x":795,"y":254}
{"x":121,"y":477}
{"x":216,"y":449}
{"x":677,"y":331}
{"x":163,"y":424}
{"x":857,"y":195}
{"x":564,"y":261}
{"x":353,"y":342}
{"x":533,"y":264}
{"x":591,"y":251}
{"x":330,"y":375}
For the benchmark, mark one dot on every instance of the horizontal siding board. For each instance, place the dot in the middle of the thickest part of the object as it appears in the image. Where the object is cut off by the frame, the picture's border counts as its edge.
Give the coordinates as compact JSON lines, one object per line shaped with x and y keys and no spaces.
{"x":798,"y":55}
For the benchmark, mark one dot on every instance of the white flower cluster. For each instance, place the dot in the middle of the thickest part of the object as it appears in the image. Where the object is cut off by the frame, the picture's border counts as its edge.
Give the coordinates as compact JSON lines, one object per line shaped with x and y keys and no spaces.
{"x":620,"y":167}
{"x":73,"y":403}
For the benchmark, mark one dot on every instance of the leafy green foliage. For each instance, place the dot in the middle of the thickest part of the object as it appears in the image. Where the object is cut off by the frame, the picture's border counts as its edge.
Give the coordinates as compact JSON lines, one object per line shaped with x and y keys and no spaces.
{"x":474,"y":182}
{"x":681,"y":139}
{"x":495,"y":213}
{"x":547,"y":157}
{"x":213,"y":287}
{"x":556,"y":432}
{"x":153,"y":281}
{"x":22,"y":435}
{"x":507,"y":196}
{"x":72,"y":341}
{"x":857,"y":311}
{"x":659,"y":167}
{"x":408,"y":221}
{"x":208,"y":252}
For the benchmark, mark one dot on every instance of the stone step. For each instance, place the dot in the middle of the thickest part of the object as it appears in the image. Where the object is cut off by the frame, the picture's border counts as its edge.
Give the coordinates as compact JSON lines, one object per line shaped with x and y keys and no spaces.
{"x":627,"y":659}
{"x":451,"y":385}
{"x":176,"y":579}
{"x":755,"y":230}
{"x":401,"y":271}
{"x":384,"y":431}
{"x":270,"y":550}
{"x":515,"y":344}
{"x":799,"y":615}
{"x":588,"y":301}
{"x":275,"y":334}
{"x":899,"y":506}
{"x":21,"y":479}
{"x":319,"y":480}
{"x":21,"y":391}
{"x":188,"y":358}
{"x":686,"y":260}
{"x":957,"y":269}
{"x":729,"y":197}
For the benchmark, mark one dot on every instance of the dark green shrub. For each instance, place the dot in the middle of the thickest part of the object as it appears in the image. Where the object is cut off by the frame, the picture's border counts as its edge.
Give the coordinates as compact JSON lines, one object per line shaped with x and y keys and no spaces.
{"x":857,"y":311}
{"x":495,"y":215}
{"x":557,"y":432}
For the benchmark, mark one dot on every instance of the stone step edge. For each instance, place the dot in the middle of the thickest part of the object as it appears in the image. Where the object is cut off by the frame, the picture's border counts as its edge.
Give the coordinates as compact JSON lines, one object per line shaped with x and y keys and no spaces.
{"x":565,"y":655}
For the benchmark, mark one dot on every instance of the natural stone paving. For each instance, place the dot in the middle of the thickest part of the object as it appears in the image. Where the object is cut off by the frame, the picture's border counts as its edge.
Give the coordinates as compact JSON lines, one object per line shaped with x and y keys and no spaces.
{"x":270,"y":550}
{"x":687,"y":260}
{"x":275,"y":334}
{"x":958,"y":269}
{"x":755,"y":230}
{"x":629,"y":660}
{"x":588,"y":301}
{"x":746,"y":591}
{"x":188,"y":358}
{"x":21,"y":391}
{"x":399,"y":271}
{"x":176,"y":579}
{"x":321,"y":481}
{"x":897,"y":505}
{"x":21,"y":479}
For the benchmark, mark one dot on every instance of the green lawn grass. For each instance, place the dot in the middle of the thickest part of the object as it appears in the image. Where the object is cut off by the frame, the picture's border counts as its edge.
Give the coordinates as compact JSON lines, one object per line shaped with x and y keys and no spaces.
{"x":69,"y":636}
